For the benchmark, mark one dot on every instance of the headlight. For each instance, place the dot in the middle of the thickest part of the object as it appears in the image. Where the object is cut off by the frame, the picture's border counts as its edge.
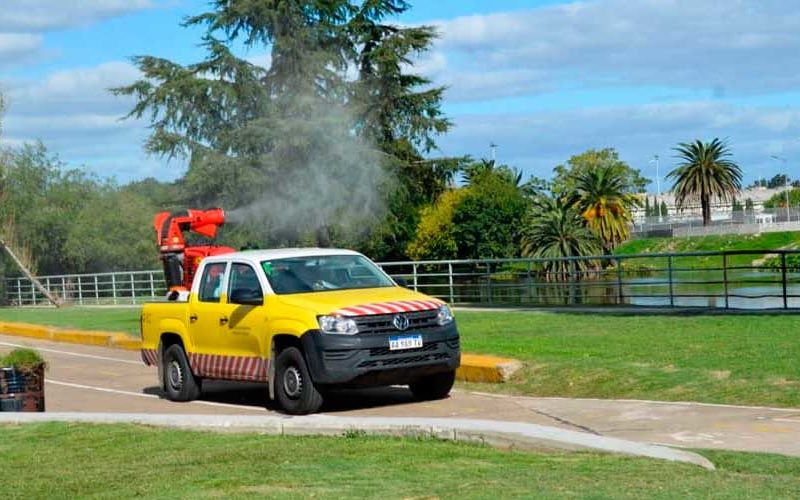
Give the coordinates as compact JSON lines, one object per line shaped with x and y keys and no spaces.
{"x":337,"y":325}
{"x":444,"y":316}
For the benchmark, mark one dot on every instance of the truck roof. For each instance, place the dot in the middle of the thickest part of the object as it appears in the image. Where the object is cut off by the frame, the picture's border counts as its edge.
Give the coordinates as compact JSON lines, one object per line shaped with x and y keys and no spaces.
{"x":279,"y":253}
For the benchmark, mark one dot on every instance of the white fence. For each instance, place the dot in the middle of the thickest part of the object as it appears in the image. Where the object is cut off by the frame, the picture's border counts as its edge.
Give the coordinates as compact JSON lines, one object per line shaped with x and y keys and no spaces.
{"x":732,"y":280}
{"x":102,"y":288}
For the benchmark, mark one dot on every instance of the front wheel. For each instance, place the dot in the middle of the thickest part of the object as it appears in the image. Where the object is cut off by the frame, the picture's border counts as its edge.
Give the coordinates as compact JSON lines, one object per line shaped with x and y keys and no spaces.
{"x":433,"y":386}
{"x":180,"y":383}
{"x":294,"y":390}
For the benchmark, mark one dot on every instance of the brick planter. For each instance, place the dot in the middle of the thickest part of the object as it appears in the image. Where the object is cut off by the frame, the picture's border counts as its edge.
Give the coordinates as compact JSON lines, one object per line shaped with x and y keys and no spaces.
{"x":22,"y":390}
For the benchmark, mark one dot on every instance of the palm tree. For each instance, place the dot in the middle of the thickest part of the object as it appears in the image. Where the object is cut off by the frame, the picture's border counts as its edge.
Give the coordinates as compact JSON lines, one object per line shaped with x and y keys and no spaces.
{"x":603,"y":199}
{"x":476,"y":170}
{"x":705,"y":173}
{"x":555,"y":230}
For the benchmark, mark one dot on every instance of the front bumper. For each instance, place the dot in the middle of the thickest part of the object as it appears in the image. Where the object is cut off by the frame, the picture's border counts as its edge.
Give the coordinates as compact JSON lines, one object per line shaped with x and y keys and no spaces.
{"x":365,"y":359}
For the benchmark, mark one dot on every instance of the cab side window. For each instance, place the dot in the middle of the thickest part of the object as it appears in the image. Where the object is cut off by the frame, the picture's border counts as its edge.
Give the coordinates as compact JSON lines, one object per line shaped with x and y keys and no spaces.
{"x":243,"y":284}
{"x":211,"y":282}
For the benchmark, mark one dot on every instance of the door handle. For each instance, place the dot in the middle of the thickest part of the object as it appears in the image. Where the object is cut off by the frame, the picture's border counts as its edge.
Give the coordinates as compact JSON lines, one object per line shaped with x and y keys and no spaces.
{"x":192,"y":318}
{"x":223,"y":320}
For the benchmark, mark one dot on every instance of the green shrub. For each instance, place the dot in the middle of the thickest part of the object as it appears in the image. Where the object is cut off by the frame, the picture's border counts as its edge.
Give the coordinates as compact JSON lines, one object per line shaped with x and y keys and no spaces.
{"x":24,"y":360}
{"x":792,"y":263}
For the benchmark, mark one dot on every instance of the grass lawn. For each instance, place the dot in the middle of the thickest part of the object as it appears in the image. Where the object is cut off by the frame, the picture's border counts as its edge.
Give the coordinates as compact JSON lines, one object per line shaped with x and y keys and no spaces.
{"x":81,"y":461}
{"x":764,"y":241}
{"x":722,"y":359}
{"x":737,"y":359}
{"x":115,"y":319}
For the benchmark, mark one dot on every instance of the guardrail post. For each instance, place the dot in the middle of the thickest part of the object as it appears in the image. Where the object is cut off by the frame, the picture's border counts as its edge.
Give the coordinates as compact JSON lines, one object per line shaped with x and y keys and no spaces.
{"x":671,"y":282}
{"x":725,"y":278}
{"x":33,"y":293}
{"x":114,"y":287}
{"x":620,"y":294}
{"x":450,"y":281}
{"x":133,"y":289}
{"x":489,"y":280}
{"x":414,"y":270}
{"x":783,"y":280}
{"x":19,"y":292}
{"x":96,"y":290}
{"x":80,"y":291}
{"x":152,"y":286}
{"x":530,"y":282}
{"x":64,"y":294}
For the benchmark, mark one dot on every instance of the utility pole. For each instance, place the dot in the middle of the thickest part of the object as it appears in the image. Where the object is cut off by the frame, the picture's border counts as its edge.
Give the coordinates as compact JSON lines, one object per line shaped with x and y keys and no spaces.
{"x":493,"y":148}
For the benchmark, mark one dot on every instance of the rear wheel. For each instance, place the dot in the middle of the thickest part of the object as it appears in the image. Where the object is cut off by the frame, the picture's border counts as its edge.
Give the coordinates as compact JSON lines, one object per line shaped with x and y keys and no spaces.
{"x":180,"y":384}
{"x":433,"y":386}
{"x":294,"y":390}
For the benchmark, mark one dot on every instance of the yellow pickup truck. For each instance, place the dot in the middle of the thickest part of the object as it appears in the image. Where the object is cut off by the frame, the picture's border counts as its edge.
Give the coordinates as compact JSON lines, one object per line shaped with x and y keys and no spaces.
{"x":304,"y":321}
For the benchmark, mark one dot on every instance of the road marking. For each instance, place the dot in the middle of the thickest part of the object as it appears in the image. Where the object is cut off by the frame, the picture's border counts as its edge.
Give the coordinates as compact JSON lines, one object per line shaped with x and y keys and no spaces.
{"x":792,"y":420}
{"x":142,"y":395}
{"x":77,"y":354}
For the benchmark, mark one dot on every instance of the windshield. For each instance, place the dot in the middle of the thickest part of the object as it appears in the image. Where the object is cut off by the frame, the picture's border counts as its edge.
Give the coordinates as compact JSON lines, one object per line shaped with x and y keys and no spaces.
{"x":323,"y":273}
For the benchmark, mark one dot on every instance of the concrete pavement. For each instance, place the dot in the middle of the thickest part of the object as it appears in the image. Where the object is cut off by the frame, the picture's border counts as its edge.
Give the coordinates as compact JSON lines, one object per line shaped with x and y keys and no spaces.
{"x":92,"y":379}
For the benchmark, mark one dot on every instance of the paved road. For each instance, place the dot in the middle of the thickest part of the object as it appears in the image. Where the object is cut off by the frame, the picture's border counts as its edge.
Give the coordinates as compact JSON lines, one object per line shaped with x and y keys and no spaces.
{"x":94,"y":379}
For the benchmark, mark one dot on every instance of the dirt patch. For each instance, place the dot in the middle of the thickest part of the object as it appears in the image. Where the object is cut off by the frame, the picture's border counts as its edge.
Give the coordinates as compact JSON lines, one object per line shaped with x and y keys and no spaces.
{"x":720,"y":374}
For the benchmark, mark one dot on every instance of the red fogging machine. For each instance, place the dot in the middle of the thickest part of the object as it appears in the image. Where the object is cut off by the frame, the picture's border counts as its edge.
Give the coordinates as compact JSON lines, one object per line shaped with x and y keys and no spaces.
{"x":179,"y":258}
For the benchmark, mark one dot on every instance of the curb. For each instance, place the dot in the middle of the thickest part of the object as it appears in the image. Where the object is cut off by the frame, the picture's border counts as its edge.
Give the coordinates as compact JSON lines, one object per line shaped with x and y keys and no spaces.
{"x":474,"y":367}
{"x":495,"y":433}
{"x":491,"y":369}
{"x":86,"y":337}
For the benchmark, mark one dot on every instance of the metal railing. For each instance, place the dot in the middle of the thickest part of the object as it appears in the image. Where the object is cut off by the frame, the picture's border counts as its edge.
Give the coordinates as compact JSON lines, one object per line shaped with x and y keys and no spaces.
{"x":752,"y":279}
{"x":131,"y":287}
{"x":739,"y":222}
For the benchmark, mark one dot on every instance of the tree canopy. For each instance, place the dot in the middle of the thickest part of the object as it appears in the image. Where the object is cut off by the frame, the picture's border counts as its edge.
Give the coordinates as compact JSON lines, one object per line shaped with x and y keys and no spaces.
{"x":705,"y":172}
{"x":566,"y":175}
{"x":333,"y":127}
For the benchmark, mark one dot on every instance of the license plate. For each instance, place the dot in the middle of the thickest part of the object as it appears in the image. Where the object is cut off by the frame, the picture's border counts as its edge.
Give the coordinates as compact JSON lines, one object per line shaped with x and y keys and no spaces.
{"x":407,"y":342}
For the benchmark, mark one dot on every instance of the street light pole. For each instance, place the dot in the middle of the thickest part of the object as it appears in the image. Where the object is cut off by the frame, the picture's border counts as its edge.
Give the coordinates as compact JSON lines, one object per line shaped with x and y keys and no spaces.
{"x":785,"y":182}
{"x":658,"y":184}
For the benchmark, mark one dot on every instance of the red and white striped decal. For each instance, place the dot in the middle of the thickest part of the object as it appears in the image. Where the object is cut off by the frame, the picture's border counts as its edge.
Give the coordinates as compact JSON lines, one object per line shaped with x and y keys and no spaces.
{"x":150,"y":357}
{"x":397,"y":306}
{"x":229,"y":367}
{"x":214,"y":366}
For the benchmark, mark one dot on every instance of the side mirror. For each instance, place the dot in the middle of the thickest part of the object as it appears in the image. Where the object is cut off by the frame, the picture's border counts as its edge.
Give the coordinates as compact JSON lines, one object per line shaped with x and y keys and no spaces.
{"x":246,"y":297}
{"x":400,"y":281}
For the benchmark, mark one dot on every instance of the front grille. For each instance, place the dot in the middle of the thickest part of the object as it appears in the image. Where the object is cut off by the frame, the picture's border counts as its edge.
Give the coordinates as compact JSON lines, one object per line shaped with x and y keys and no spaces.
{"x":404,"y":360}
{"x":385,"y":351}
{"x":382,"y":323}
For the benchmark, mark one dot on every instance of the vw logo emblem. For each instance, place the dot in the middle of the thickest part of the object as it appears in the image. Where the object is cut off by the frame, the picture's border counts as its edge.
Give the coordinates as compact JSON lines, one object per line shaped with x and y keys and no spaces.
{"x":400,"y":321}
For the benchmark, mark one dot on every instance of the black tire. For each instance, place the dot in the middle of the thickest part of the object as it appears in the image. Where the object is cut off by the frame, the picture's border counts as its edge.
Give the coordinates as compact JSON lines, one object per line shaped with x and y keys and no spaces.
{"x":294,"y":390}
{"x":433,"y":386}
{"x":180,"y":384}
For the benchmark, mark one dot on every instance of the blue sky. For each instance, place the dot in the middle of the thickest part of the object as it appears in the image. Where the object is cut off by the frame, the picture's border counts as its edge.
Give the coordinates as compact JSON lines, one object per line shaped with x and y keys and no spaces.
{"x":542,"y":79}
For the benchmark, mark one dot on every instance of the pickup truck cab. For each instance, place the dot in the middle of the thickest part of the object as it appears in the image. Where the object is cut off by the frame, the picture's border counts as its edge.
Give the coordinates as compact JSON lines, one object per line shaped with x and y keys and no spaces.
{"x":304,"y":321}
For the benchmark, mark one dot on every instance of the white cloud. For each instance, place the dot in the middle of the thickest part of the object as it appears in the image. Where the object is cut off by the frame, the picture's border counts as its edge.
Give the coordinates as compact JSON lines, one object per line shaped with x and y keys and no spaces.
{"x":538,"y":141}
{"x":15,"y":47}
{"x":743,"y":46}
{"x":76,"y":116}
{"x":20,"y":16}
{"x":75,"y":90}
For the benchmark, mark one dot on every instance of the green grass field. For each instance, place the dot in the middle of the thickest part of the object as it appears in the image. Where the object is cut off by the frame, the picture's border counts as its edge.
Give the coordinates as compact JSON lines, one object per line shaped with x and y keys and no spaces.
{"x":115,"y":319}
{"x":737,"y":359}
{"x":91,"y":461}
{"x":764,"y":241}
